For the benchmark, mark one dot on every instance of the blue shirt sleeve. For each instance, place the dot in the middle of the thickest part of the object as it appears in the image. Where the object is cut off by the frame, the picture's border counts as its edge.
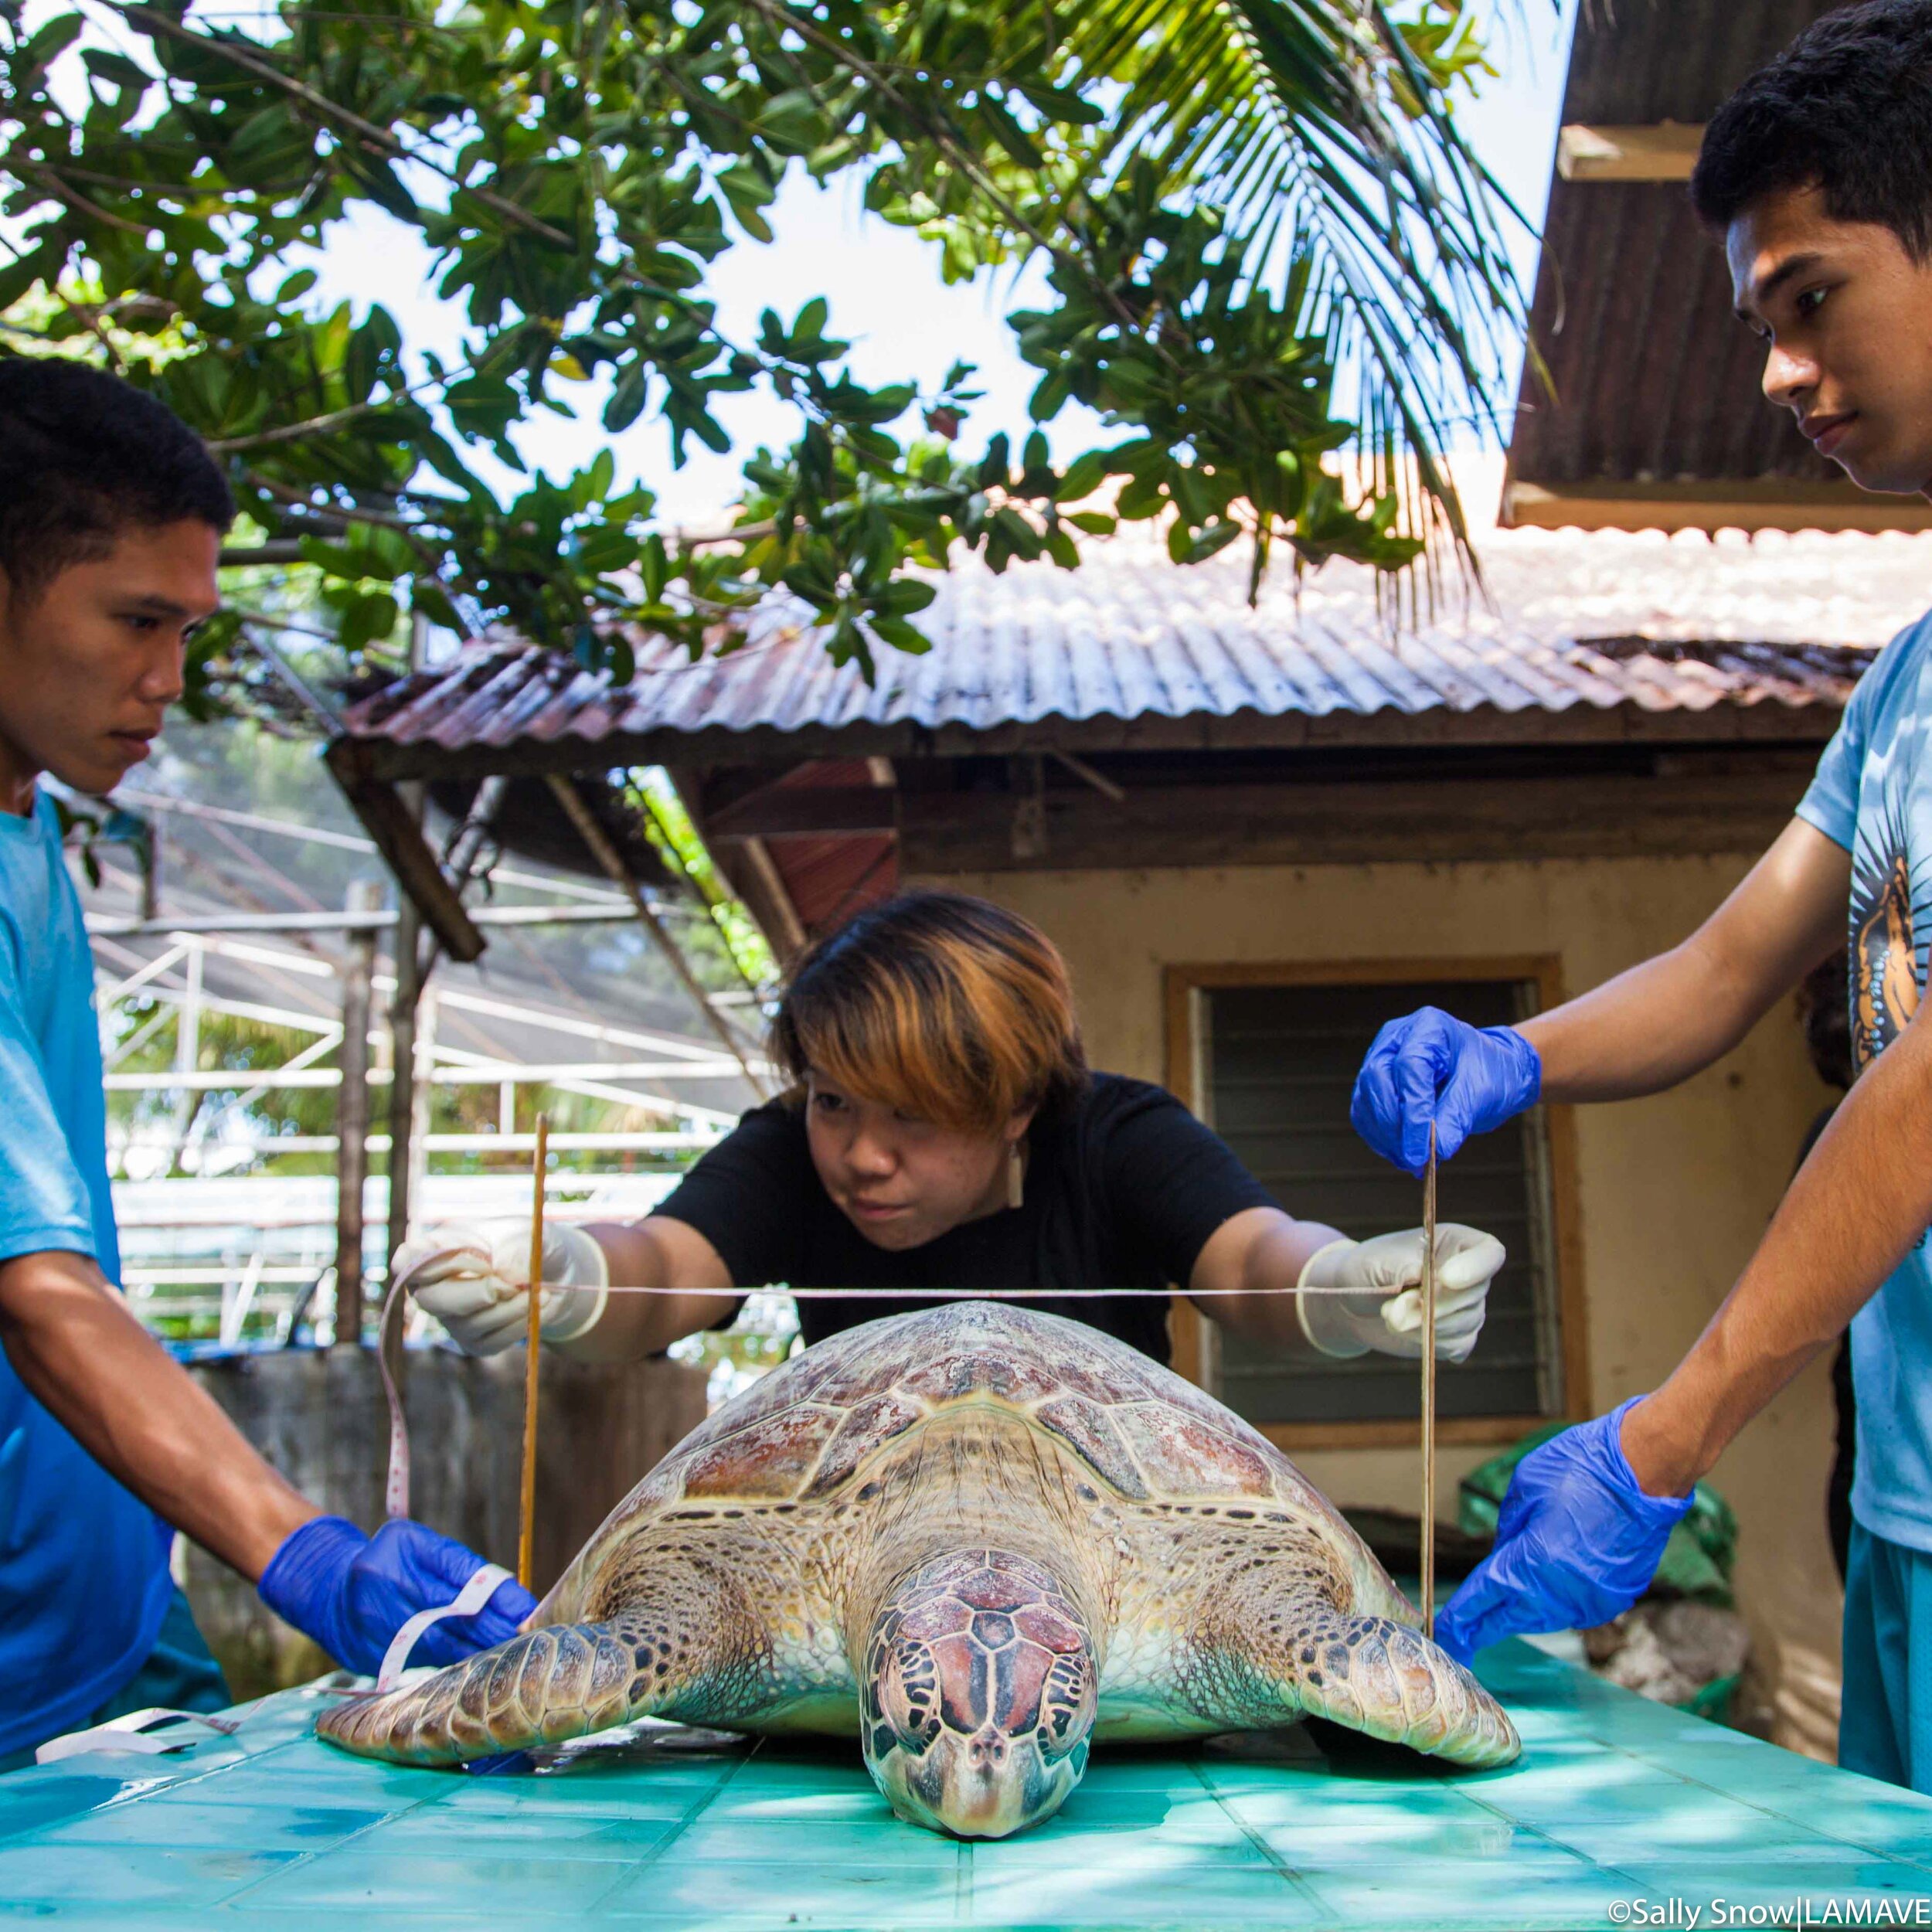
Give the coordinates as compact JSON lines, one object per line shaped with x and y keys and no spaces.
{"x":1830,"y":801}
{"x":44,"y":1202}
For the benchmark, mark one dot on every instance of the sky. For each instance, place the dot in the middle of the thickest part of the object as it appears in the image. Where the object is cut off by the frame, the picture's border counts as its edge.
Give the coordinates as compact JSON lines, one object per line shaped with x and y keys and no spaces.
{"x":886,"y":297}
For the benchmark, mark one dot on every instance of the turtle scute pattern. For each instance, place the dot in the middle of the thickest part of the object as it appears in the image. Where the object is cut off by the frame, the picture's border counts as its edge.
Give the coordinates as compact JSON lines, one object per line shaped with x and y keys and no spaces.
{"x":801,"y":1432}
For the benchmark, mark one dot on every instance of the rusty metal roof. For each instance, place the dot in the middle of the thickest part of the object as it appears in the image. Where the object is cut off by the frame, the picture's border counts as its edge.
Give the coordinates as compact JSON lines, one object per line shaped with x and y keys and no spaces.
{"x":1584,"y":635}
{"x":1654,"y":380}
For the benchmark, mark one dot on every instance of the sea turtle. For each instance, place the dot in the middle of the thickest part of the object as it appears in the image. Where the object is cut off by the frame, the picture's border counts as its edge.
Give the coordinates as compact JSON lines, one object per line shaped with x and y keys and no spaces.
{"x":979,"y":1536}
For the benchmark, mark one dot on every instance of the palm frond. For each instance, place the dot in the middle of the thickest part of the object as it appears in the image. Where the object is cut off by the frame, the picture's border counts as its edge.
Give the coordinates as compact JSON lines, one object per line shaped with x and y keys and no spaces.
{"x":1327,"y":141}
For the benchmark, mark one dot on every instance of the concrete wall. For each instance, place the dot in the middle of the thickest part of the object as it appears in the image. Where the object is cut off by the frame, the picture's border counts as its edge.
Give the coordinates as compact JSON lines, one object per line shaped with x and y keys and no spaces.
{"x":320,"y":1417}
{"x":1673,"y":1192}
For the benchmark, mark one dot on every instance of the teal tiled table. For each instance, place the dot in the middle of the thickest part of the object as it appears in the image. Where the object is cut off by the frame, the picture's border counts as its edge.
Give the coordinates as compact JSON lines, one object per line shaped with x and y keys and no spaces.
{"x":1619,"y":1812}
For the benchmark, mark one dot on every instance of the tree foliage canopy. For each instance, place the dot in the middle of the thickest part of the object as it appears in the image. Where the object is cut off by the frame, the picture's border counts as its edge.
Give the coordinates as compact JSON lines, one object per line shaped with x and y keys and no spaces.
{"x":1264,"y":240}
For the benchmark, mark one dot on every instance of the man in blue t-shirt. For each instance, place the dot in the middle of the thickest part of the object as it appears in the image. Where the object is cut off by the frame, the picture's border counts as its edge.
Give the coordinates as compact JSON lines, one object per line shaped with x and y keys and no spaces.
{"x":111,"y":516}
{"x":1818,"y":174}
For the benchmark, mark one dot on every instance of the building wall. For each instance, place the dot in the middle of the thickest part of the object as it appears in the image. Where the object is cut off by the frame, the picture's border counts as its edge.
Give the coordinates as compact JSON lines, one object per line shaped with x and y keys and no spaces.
{"x":1673,"y":1191}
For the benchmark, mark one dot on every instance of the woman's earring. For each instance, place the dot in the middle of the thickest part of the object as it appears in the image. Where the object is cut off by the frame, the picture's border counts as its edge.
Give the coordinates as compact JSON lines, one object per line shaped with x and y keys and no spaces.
{"x":1016,"y":1177}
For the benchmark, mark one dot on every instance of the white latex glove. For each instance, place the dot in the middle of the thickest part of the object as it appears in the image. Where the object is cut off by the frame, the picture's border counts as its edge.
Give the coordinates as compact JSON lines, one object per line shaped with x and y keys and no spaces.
{"x":1351,"y":1324}
{"x":472,"y":1277}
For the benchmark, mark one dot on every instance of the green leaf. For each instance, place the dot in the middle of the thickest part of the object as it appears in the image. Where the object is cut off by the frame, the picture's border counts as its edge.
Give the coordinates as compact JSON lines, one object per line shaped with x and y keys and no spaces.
{"x":38,"y":265}
{"x":44,"y":48}
{"x":429,"y":597}
{"x":1050,"y":395}
{"x":901,"y":635}
{"x":627,"y":396}
{"x":748,"y":195}
{"x":791,"y":122}
{"x":1063,"y":104}
{"x":812,"y":318}
{"x":116,"y":68}
{"x":367,"y":618}
{"x":1216,"y":536}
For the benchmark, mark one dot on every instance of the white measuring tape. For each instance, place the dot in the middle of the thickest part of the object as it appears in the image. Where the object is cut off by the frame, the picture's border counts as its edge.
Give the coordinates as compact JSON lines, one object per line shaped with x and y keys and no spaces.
{"x":985,"y":1294}
{"x":468,"y":1601}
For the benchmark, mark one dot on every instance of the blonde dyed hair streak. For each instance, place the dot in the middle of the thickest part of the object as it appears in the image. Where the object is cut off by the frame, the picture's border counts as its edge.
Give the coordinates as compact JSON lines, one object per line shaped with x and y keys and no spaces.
{"x":948,"y":1008}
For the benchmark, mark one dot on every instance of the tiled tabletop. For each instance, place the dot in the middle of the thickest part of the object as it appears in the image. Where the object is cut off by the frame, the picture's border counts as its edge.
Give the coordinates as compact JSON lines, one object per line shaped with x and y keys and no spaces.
{"x":1618,"y":1810}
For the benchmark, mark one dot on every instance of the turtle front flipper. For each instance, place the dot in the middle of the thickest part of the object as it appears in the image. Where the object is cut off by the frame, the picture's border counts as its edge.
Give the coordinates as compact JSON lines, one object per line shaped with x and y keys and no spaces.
{"x":1277,"y":1645}
{"x":1381,"y":1678}
{"x":689,"y":1647}
{"x":562,"y":1682}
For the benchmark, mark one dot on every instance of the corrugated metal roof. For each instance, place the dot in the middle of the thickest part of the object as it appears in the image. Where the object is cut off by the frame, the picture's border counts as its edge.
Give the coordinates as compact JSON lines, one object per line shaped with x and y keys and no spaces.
{"x":1655,"y":379}
{"x":1635,"y":61}
{"x":1620,"y":634}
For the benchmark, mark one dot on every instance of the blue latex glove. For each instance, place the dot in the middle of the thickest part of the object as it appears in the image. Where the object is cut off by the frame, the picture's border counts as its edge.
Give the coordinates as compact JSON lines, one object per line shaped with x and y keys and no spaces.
{"x":353,"y":1592}
{"x":1577,"y":1542}
{"x":1428,"y":1065}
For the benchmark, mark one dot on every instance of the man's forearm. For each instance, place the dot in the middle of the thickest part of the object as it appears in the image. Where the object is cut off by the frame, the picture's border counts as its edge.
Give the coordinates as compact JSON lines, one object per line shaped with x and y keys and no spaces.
{"x":1858,"y":1206}
{"x":1639,"y":1033}
{"x":84,"y":1357}
{"x":1671,"y":1017}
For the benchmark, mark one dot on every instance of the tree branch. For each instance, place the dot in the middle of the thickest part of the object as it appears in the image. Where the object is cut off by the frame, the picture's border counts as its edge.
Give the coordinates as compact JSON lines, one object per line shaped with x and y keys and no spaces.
{"x":149,"y":19}
{"x":962,"y":156}
{"x":78,"y":201}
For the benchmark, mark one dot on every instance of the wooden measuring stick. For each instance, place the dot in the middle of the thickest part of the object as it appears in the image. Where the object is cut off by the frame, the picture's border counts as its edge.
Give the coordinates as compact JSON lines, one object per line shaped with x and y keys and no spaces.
{"x":526,"y":1535}
{"x":1429,"y":1391}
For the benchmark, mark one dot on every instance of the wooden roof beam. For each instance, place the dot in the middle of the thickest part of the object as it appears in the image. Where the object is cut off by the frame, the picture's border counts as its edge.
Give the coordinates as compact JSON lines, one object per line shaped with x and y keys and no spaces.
{"x":799,"y":811}
{"x":747,"y":866}
{"x":399,"y":838}
{"x":1723,"y":503}
{"x":1241,"y":730}
{"x":1666,"y":151}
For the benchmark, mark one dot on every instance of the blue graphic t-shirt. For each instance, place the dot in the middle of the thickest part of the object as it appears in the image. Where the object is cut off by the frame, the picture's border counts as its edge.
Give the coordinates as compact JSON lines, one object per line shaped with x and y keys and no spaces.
{"x":84,"y":1581}
{"x":1872,"y":795}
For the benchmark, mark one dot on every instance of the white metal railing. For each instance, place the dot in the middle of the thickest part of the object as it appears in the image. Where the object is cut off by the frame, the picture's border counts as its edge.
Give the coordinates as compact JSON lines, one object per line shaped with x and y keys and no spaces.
{"x":200,"y":1261}
{"x":235,"y":1259}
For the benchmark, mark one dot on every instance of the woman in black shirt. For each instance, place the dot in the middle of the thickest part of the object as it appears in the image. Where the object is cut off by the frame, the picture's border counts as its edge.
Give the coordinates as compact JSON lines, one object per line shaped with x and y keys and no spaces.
{"x":942,"y":1132}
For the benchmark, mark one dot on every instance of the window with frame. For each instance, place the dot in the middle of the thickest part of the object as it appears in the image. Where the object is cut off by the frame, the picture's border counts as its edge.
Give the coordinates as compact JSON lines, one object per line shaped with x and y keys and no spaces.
{"x":1273,"y":1062}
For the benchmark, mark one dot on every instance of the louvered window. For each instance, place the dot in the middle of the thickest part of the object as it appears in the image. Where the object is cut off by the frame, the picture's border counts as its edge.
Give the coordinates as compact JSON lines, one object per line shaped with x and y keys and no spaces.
{"x":1276,"y":1065}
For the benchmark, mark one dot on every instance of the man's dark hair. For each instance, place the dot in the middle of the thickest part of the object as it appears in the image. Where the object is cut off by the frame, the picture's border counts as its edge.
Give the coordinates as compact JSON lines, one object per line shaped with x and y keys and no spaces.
{"x":1845,"y":108}
{"x":84,"y":457}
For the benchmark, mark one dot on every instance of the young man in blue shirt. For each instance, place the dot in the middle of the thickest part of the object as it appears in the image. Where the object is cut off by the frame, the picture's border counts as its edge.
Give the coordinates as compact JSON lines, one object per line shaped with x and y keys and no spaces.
{"x":111,"y":516}
{"x":1818,"y":174}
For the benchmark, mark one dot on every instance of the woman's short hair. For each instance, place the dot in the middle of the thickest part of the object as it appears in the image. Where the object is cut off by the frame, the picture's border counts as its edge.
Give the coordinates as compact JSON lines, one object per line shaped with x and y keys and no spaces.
{"x":949,"y":1008}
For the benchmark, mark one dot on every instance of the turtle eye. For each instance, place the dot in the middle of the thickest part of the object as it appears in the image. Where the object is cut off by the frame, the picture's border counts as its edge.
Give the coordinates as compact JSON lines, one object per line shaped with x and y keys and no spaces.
{"x":1065,"y":1706}
{"x":909,"y":1693}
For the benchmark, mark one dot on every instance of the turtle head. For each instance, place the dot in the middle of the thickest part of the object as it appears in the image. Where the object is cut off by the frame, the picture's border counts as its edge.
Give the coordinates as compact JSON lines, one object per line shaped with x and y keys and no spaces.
{"x":978,"y":1695}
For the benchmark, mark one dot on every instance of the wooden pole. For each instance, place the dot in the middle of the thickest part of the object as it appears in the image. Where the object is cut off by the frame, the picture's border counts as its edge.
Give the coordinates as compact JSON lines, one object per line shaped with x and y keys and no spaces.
{"x":410,"y":974}
{"x":526,"y":1536}
{"x":1429,"y":1391}
{"x":352,"y":1119}
{"x":402,"y":1057}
